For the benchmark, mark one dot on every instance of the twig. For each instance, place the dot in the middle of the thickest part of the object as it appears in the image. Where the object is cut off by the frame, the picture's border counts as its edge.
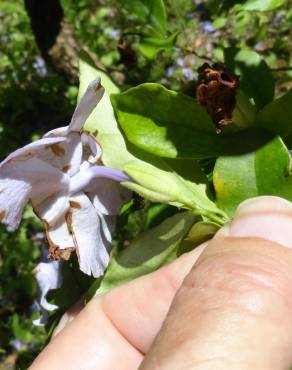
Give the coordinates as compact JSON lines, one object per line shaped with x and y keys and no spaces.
{"x":281,"y":69}
{"x":131,"y":34}
{"x":190,"y":51}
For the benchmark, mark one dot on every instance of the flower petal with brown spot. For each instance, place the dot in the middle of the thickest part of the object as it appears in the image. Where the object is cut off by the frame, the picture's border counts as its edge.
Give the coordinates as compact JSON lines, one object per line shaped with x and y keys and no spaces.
{"x":55,"y":173}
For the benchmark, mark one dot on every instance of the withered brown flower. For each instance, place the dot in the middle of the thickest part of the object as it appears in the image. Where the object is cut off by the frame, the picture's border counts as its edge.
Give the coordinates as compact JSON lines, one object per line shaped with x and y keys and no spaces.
{"x":128,"y":56}
{"x":216,"y":91}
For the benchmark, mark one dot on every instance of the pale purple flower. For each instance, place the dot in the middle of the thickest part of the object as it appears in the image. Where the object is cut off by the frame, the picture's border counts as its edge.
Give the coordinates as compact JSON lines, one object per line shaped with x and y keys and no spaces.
{"x":40,"y":66}
{"x":207,"y":26}
{"x":114,"y":34}
{"x":188,"y":73}
{"x":170,"y":71}
{"x":17,"y":344}
{"x":180,"y":61}
{"x":70,"y":191}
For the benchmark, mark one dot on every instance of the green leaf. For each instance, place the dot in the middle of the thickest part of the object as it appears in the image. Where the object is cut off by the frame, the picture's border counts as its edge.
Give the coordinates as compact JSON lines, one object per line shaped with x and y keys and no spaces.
{"x":277,"y":115}
{"x":169,"y":187}
{"x":150,"y":46}
{"x":149,"y":252}
{"x":173,"y":125}
{"x":148,"y":171}
{"x":151,"y":12}
{"x":153,"y":118}
{"x":19,"y":331}
{"x":256,"y":78}
{"x":220,"y":22}
{"x":273,"y":169}
{"x":264,"y":172}
{"x":263,"y":5}
{"x":66,"y":4}
{"x":234,"y":181}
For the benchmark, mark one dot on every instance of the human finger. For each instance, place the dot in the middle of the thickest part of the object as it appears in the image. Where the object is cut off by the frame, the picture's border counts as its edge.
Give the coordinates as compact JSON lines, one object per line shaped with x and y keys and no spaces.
{"x":233,"y":309}
{"x":116,"y":329}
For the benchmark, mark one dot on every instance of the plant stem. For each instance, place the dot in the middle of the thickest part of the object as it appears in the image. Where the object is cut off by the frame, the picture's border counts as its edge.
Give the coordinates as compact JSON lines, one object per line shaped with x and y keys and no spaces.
{"x":219,"y":218}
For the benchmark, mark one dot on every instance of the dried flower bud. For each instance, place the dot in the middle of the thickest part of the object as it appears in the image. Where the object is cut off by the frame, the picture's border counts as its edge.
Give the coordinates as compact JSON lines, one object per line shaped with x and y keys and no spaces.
{"x":128,"y":56}
{"x":217,"y":91}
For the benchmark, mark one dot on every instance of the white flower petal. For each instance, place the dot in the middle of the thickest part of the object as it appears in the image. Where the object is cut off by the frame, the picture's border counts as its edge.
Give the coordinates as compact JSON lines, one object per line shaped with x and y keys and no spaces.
{"x":64,"y":153}
{"x":48,"y":277}
{"x":43,"y":319}
{"x":66,"y":156}
{"x":60,"y":240}
{"x":74,"y":154}
{"x":86,"y":228}
{"x":87,"y":103}
{"x":95,"y":150}
{"x":107,"y":196}
{"x":108,"y":224}
{"x":60,"y":131}
{"x":52,"y":208}
{"x":20,"y":179}
{"x":14,"y":194}
{"x":54,"y":212}
{"x":31,"y":150}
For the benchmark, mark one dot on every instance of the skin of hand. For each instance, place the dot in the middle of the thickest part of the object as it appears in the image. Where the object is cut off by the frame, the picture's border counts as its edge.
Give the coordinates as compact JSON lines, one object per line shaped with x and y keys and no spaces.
{"x":225,"y":305}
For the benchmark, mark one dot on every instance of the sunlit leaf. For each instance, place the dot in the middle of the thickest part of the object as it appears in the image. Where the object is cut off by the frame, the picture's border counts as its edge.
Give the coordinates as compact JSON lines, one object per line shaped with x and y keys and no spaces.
{"x":151,"y":12}
{"x":264,"y":172}
{"x":263,"y":5}
{"x":150,"y":46}
{"x":234,"y":181}
{"x":148,"y":171}
{"x":169,"y":187}
{"x":173,"y":125}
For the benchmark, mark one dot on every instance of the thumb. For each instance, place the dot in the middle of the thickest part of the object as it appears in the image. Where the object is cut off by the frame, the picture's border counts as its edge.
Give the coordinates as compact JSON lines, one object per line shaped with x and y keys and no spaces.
{"x":233,"y":309}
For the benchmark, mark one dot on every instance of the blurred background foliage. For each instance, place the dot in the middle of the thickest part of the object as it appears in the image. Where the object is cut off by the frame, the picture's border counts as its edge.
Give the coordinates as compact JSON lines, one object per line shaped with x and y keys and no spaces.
{"x":134,"y":41}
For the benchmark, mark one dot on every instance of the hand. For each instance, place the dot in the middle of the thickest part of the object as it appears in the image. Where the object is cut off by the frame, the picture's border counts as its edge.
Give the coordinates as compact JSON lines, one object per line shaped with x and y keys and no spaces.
{"x":226,"y":306}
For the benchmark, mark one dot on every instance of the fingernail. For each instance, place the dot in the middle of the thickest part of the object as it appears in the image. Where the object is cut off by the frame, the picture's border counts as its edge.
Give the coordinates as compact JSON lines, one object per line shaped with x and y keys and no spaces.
{"x":264,"y":217}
